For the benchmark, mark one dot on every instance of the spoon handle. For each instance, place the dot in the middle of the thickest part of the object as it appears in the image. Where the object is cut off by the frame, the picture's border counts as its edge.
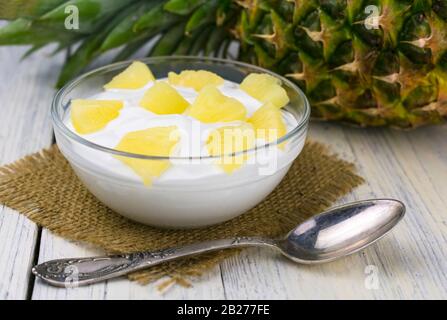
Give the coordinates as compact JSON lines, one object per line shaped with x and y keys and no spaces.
{"x":74,"y":272}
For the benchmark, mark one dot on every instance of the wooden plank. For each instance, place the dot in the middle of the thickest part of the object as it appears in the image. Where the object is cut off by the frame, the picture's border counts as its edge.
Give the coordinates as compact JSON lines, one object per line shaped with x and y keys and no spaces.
{"x":209,"y":286}
{"x":415,"y":260}
{"x":409,"y":263}
{"x":262,"y":274}
{"x":53,"y":247}
{"x":24,"y":128}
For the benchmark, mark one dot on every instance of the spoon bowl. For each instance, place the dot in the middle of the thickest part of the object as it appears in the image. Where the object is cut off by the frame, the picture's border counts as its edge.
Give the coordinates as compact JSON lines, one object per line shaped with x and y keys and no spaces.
{"x":341,"y":231}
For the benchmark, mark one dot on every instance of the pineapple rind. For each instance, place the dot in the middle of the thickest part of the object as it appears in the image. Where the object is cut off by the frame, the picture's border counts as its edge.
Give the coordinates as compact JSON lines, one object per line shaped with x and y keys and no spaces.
{"x":384,"y":75}
{"x":352,"y":71}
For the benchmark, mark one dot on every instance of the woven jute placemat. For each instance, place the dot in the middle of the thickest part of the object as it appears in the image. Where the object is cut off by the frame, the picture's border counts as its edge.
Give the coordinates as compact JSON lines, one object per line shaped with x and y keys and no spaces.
{"x":43,"y":187}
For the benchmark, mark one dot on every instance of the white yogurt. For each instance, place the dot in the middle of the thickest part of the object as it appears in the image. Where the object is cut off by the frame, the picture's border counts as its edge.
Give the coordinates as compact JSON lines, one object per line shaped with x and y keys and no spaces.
{"x":188,"y":194}
{"x":194,"y":133}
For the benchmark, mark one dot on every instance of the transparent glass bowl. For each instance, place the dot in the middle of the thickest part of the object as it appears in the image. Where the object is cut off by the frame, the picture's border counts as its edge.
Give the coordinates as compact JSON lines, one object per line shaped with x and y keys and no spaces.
{"x":187,"y":203}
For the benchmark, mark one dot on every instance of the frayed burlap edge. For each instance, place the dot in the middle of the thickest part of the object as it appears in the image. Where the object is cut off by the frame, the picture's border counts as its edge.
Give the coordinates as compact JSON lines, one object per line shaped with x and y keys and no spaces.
{"x":38,"y":187}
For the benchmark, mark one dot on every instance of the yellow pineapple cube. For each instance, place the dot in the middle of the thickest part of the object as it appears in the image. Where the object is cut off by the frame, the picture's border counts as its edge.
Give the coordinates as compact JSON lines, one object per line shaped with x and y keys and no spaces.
{"x":157,"y":141}
{"x":88,"y":116}
{"x":161,"y":98}
{"x":228,"y":140}
{"x":136,"y":76}
{"x":195,"y":79}
{"x":265,"y":88}
{"x":268,"y":123}
{"x":212,"y":106}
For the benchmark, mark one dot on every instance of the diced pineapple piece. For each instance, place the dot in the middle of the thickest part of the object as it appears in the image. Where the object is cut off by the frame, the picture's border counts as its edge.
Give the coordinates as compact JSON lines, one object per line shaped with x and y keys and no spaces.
{"x":229,"y":140}
{"x":161,"y":98}
{"x":88,"y":116}
{"x":195,"y":79}
{"x":265,"y":88}
{"x":268,"y":123}
{"x":212,"y":106}
{"x":136,"y":76}
{"x":157,"y":141}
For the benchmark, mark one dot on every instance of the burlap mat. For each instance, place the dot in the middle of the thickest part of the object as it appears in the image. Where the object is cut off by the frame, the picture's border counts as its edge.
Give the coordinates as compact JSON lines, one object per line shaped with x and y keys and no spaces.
{"x":43,"y":187}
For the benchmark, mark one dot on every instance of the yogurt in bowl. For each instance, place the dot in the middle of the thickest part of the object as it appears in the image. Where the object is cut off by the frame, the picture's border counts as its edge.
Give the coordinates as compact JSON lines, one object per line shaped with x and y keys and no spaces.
{"x":175,"y":153}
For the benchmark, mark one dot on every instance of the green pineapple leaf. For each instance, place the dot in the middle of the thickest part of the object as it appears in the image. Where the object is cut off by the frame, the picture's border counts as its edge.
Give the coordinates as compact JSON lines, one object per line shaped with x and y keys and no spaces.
{"x":182,"y":7}
{"x":24,"y":31}
{"x":156,"y":19}
{"x":169,"y":41}
{"x":202,"y":16}
{"x":13,"y":9}
{"x":124,"y":32}
{"x":91,"y":13}
{"x":395,"y":74}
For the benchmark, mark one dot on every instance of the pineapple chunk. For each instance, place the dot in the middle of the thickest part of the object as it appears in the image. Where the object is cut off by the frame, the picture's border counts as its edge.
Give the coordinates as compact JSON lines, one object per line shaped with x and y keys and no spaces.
{"x":212,"y":106}
{"x":161,"y":98}
{"x":195,"y":79}
{"x":268,"y":123}
{"x":157,"y":141}
{"x":265,"y":88}
{"x":136,"y":76}
{"x":228,"y":140}
{"x":88,"y":116}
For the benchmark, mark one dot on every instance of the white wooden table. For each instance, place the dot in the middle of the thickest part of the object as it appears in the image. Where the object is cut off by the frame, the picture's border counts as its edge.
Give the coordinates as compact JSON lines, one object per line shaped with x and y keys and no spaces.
{"x":410,"y":263}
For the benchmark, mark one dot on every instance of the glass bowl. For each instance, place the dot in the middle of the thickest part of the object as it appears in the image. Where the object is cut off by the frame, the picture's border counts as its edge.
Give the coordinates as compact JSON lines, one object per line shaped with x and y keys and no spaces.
{"x":187,"y":203}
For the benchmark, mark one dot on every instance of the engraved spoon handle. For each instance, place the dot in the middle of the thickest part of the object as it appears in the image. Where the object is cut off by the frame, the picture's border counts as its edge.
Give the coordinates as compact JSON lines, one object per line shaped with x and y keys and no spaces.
{"x":75,"y":272}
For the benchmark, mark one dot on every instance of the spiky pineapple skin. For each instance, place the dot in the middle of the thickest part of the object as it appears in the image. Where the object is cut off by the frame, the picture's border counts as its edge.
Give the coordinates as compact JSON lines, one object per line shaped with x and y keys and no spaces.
{"x":391,"y":71}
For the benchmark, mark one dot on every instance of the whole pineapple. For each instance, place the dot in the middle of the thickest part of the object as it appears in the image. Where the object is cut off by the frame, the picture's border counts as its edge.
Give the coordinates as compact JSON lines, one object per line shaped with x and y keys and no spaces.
{"x":371,"y":63}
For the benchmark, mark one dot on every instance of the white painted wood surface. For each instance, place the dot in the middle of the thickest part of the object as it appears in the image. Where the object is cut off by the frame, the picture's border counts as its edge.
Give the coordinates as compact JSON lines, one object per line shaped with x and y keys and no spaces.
{"x":24,"y":128}
{"x":410,"y":263}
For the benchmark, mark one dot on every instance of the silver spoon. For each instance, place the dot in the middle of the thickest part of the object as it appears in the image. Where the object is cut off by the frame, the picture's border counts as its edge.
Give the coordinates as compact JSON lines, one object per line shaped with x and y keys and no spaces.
{"x":328,"y":236}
